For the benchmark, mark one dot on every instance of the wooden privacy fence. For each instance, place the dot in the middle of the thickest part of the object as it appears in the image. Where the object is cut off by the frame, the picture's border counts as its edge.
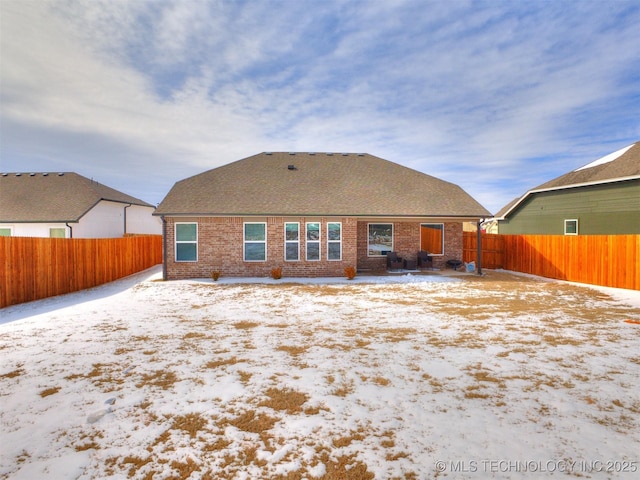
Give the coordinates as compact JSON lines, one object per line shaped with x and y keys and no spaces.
{"x":34,"y":268}
{"x":607,"y":260}
{"x":492,"y":249}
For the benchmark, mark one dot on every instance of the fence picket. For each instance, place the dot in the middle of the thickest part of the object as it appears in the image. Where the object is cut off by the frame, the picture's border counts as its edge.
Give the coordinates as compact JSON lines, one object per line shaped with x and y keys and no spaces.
{"x":607,"y":260}
{"x":34,"y":268}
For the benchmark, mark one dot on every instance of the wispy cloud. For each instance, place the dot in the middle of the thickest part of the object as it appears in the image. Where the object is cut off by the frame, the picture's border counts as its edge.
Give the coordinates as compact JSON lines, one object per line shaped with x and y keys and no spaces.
{"x":495,"y":96}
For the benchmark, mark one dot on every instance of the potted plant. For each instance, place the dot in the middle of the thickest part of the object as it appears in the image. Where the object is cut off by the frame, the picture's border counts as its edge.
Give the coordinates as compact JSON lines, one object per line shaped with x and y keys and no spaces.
{"x":350,"y":272}
{"x":276,"y":273}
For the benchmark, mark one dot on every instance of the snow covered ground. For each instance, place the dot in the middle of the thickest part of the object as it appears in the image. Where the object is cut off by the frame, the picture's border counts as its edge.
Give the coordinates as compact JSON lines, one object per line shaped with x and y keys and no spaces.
{"x":503,"y":376}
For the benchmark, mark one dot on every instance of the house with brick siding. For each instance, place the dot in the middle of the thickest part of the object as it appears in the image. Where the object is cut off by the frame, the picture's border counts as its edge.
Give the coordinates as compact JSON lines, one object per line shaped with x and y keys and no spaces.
{"x":310,"y":214}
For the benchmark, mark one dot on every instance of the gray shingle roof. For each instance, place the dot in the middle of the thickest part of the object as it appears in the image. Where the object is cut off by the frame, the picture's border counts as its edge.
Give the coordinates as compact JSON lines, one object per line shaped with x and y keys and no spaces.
{"x":626,"y":165}
{"x":53,"y":197}
{"x":282,"y":183}
{"x":508,"y":207}
{"x":621,"y":165}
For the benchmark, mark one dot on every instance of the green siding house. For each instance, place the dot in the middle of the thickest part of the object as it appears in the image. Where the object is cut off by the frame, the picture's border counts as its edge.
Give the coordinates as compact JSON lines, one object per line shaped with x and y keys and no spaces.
{"x":600,"y":198}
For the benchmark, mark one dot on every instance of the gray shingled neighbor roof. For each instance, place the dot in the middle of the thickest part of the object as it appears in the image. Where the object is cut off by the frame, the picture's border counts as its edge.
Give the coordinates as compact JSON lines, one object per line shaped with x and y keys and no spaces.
{"x":53,"y":197}
{"x":603,"y":170}
{"x":507,"y":207}
{"x":282,"y":183}
{"x":621,"y":165}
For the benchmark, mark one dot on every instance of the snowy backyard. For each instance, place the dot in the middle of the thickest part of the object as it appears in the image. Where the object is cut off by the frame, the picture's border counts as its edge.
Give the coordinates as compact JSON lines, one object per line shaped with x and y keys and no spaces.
{"x":413,"y":376}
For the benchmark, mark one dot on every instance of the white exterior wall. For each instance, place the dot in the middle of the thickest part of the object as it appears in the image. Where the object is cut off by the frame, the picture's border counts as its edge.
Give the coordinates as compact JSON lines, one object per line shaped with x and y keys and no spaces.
{"x":140,"y":220}
{"x":104,"y":220}
{"x":33,"y":229}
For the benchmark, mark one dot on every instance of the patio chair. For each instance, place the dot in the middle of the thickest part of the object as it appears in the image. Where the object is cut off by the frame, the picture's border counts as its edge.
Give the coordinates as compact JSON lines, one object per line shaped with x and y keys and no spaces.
{"x":424,"y":260}
{"x":455,"y":264}
{"x":394,"y":262}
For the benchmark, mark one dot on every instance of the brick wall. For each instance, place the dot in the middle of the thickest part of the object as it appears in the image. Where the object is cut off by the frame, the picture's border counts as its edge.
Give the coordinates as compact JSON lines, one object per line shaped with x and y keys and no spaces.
{"x":220,"y":247}
{"x":406,"y":241}
{"x":453,"y":244}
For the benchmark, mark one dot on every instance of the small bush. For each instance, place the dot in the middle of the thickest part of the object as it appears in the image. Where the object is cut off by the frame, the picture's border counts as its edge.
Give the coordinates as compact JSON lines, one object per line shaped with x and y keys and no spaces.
{"x":216,"y":275}
{"x":276,"y":273}
{"x":350,"y":272}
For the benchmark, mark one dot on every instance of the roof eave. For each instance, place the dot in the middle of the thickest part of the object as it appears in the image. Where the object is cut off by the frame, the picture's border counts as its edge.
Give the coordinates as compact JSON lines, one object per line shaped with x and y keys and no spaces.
{"x":40,"y":221}
{"x":323,"y":214}
{"x":138,"y":203}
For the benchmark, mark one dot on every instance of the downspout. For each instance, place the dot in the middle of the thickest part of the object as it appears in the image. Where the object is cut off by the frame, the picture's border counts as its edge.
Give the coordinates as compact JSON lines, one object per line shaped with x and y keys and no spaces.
{"x":479,"y":247}
{"x":164,"y":248}
{"x":125,"y":219}
{"x":70,"y":229}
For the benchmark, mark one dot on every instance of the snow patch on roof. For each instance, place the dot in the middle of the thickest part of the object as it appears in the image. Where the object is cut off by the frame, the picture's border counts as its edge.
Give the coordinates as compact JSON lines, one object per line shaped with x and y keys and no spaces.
{"x":606,"y":159}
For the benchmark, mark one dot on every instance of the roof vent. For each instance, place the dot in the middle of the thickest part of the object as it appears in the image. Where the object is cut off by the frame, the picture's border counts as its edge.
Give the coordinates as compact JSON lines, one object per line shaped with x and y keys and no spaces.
{"x":345,"y":154}
{"x":291,"y":167}
{"x":45,"y":174}
{"x":361,"y":154}
{"x":60,"y":174}
{"x":328,"y":153}
{"x":267,"y":153}
{"x":32,"y":174}
{"x":312,"y":153}
{"x":18,"y":174}
{"x":5,"y":174}
{"x":292,"y":153}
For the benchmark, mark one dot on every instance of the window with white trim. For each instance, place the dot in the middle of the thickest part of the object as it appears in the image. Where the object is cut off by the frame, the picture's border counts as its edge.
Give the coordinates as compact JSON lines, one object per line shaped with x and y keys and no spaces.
{"x":313,"y":241}
{"x":186,"y":242}
{"x":58,"y":232}
{"x":255,"y":242}
{"x":380,"y":241}
{"x":291,"y":241}
{"x":571,"y":227}
{"x":334,"y":241}
{"x":6,"y":231}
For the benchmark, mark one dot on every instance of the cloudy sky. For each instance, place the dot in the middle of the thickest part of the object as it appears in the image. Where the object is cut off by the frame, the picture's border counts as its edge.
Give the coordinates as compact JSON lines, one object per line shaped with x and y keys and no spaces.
{"x":496,"y":96}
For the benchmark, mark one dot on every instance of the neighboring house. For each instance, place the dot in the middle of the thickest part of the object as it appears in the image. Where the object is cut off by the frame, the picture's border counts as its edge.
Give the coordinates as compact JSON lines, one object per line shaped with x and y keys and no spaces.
{"x":602,"y":197}
{"x":490,"y":226}
{"x":70,"y":205}
{"x":311,"y":215}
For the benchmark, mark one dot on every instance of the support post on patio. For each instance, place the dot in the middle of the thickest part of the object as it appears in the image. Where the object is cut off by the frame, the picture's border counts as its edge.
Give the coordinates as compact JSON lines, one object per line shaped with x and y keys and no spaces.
{"x":164,"y":247}
{"x":479,"y":248}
